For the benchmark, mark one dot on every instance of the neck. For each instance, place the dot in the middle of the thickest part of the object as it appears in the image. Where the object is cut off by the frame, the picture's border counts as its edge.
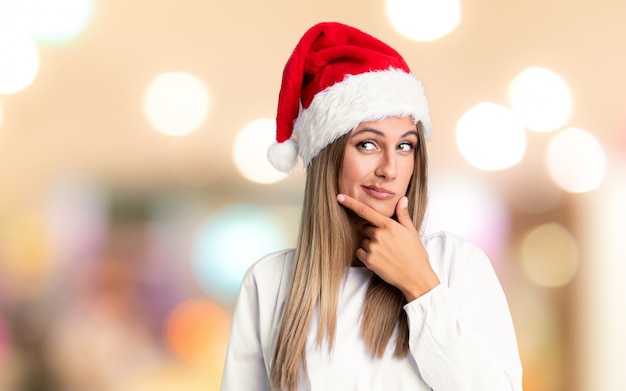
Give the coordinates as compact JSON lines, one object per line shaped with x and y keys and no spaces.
{"x":357,"y":223}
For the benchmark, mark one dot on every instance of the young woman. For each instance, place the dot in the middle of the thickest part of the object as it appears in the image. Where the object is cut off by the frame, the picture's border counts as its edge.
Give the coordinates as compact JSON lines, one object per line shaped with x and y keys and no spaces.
{"x":364,"y":302}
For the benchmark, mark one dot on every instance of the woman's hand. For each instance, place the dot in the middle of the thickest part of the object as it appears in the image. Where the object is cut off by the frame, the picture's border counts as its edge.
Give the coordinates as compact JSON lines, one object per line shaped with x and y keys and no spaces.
{"x":393,"y":249}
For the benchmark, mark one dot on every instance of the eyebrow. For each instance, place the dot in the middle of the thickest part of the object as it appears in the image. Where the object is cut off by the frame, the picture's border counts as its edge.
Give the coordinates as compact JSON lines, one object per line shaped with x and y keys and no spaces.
{"x":380,"y":133}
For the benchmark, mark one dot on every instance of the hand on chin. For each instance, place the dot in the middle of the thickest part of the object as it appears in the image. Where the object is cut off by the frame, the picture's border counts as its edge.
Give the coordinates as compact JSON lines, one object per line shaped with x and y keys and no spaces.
{"x":384,"y":207}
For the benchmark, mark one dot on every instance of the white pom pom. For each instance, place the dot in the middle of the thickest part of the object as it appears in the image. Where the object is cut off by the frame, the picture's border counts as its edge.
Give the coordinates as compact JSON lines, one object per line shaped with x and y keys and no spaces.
{"x":283,"y":156}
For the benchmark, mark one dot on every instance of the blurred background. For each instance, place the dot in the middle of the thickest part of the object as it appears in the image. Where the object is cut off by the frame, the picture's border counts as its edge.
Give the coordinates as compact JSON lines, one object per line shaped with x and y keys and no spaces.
{"x":134,"y":192}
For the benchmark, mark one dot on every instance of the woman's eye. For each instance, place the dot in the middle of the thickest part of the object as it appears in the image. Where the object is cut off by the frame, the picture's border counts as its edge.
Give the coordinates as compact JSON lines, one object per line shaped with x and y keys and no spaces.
{"x":366,"y":145}
{"x":405,"y":147}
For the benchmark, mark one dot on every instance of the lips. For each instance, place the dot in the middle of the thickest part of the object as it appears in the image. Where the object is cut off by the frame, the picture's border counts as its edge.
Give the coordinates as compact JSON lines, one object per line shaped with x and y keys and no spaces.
{"x":378,"y":192}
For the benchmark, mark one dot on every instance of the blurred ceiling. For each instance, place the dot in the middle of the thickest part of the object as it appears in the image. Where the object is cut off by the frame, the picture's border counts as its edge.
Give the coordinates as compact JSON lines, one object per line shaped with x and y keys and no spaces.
{"x":83,"y":114}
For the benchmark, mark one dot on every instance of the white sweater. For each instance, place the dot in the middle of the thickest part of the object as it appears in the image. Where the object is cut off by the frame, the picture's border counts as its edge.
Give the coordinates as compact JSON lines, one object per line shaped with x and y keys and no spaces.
{"x":461,"y":336}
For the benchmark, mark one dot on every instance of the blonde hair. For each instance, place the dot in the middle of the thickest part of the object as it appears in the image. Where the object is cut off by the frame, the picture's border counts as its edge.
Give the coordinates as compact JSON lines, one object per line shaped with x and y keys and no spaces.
{"x":324,"y":252}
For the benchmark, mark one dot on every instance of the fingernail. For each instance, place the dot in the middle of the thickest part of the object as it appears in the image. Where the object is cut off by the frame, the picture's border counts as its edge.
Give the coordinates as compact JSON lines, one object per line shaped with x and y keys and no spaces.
{"x":404,"y":202}
{"x":341,"y":197}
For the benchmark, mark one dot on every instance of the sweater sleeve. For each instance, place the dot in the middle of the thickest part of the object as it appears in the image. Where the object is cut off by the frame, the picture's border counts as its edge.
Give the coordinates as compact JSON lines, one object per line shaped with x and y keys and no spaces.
{"x":460,"y":333}
{"x":244,"y":368}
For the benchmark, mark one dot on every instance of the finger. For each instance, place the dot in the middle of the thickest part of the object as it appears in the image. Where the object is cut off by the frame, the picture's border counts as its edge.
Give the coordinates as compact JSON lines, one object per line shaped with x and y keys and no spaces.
{"x":362,"y":255}
{"x":402,"y":212}
{"x":362,"y":210}
{"x":365,"y":245}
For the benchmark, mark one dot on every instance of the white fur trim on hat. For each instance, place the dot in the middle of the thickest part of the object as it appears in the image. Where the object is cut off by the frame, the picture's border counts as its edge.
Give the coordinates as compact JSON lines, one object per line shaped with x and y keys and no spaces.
{"x":369,"y":96}
{"x":283,"y":156}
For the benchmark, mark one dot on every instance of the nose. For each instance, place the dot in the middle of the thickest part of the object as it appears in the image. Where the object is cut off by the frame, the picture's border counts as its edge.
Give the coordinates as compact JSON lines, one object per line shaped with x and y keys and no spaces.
{"x":387,"y":166}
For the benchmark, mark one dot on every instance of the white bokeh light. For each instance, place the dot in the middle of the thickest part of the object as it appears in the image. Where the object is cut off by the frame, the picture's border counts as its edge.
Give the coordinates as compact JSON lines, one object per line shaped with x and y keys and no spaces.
{"x":250,"y":151}
{"x":424,"y":20}
{"x":52,"y":20}
{"x":576,"y":160}
{"x":19,"y":60}
{"x":541,"y":98}
{"x":491,"y":137}
{"x":176,"y":103}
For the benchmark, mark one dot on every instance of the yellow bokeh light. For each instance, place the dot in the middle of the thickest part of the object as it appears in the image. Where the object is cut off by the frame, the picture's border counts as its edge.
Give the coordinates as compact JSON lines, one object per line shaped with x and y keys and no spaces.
{"x":424,"y":20}
{"x":26,"y":249}
{"x":19,"y":60}
{"x":176,"y":103}
{"x":550,"y":255}
{"x":576,"y":160}
{"x":250,"y":151}
{"x":541,"y":98}
{"x":491,"y":137}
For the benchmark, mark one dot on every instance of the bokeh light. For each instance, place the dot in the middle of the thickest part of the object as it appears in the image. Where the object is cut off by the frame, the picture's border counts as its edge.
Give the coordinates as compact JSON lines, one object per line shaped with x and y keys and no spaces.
{"x":76,"y":218}
{"x":26,"y":250}
{"x":197,"y":331}
{"x":250,"y":151}
{"x":424,"y":20}
{"x":541,"y":98}
{"x":470,"y":208}
{"x":54,"y":20}
{"x":231,"y":240}
{"x":576,"y":160}
{"x":491,"y":137}
{"x":19,"y":62}
{"x":550,"y":255}
{"x":176,"y":103}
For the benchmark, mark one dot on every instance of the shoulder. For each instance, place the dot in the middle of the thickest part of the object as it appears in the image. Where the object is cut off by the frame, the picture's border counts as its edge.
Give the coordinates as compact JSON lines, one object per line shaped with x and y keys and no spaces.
{"x":271,"y":262}
{"x":447,"y":242}
{"x":452,"y":256}
{"x":273,"y":268}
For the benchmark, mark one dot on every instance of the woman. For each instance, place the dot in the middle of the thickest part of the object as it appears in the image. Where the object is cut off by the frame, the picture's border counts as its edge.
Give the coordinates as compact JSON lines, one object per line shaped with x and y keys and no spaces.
{"x":364,"y":302}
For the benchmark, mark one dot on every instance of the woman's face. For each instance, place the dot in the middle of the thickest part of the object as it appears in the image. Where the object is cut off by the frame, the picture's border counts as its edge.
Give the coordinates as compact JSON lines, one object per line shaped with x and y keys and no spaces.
{"x":378,"y":162}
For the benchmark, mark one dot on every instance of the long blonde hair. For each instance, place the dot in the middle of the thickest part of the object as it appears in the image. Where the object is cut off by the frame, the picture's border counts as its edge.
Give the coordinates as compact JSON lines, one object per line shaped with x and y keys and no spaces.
{"x":324,"y":252}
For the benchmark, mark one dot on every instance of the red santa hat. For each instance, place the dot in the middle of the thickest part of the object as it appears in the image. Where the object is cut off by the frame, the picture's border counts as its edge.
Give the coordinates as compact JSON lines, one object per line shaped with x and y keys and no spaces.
{"x":336,"y":78}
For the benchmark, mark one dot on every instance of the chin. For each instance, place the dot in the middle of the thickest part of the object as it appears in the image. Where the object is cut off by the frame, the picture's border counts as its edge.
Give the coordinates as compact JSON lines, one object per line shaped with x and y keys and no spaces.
{"x":384,"y":210}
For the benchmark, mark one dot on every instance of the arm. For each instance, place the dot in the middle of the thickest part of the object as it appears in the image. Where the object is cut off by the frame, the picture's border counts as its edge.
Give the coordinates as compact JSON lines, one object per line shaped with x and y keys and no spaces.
{"x":245,"y":366}
{"x":461,"y":333}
